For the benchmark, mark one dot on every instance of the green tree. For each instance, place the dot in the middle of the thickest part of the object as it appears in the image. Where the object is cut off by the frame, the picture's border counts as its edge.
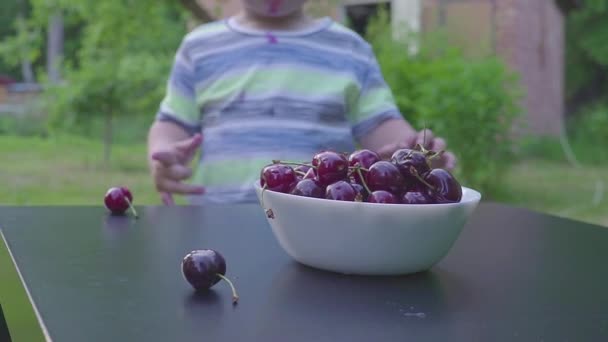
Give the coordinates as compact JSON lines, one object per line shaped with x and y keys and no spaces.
{"x":587,"y":54}
{"x":18,"y":53}
{"x":115,"y":62}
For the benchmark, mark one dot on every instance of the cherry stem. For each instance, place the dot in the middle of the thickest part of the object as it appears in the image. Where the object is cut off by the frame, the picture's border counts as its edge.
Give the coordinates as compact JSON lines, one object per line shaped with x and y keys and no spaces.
{"x":437,"y":154}
{"x":358,"y":168}
{"x":415,"y":173}
{"x":424,"y":134}
{"x":301,"y":173}
{"x":131,"y":206}
{"x":235,"y":296}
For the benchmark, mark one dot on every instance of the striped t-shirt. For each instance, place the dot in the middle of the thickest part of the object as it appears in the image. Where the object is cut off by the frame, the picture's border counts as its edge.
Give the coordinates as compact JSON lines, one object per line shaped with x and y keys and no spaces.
{"x":259,"y":96}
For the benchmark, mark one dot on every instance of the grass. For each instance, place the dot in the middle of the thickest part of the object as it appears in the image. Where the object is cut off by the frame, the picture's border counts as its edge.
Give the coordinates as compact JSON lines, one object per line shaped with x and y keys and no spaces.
{"x":19,"y":314}
{"x":560,"y":189}
{"x":68,"y":170}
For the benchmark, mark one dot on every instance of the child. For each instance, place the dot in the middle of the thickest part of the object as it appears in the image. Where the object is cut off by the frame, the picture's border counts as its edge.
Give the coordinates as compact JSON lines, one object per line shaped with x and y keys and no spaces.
{"x":269,"y":83}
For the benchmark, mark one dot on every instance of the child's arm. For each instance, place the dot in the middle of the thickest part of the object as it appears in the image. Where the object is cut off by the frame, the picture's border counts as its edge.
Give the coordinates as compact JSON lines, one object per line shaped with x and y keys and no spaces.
{"x":170,"y":151}
{"x":379,"y":126}
{"x":394,"y":134}
{"x":175,"y":135}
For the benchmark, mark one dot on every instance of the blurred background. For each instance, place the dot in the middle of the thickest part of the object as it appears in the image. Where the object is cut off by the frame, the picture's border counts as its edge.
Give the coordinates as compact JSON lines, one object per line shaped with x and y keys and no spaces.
{"x":518,"y":88}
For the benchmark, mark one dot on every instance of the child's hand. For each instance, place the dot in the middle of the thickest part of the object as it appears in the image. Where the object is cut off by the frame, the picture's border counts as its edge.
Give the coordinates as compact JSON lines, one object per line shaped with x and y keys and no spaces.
{"x":428,"y":141}
{"x":170,"y":168}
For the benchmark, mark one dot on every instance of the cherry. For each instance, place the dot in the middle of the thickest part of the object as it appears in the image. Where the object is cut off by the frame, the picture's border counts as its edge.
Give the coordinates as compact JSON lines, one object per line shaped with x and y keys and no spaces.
{"x":409,"y":162}
{"x":205,"y":268}
{"x":363,"y":158}
{"x":278,"y":177}
{"x":381,"y":196}
{"x":383,"y":175}
{"x":310,"y":174}
{"x":308,"y":188}
{"x":118,"y":199}
{"x":302,"y":169}
{"x":361,"y":192}
{"x":416,"y":197}
{"x":416,"y":186}
{"x":341,"y":191}
{"x":331,"y":167}
{"x":443,"y":187}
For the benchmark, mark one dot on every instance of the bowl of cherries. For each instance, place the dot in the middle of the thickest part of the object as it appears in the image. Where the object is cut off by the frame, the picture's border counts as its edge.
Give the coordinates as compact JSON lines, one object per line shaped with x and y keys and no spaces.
{"x":358,"y":214}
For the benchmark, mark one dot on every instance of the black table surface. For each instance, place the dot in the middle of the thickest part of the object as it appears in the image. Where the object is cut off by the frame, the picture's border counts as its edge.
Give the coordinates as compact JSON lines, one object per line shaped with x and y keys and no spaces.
{"x":513,"y":275}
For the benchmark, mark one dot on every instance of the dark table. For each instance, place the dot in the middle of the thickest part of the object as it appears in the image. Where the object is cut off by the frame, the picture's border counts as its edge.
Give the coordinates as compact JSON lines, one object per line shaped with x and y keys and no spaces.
{"x":513,"y":275}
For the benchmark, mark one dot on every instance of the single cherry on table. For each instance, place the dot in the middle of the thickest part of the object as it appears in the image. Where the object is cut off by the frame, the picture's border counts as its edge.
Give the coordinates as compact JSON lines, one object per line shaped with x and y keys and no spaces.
{"x":204,"y":268}
{"x":118,"y":200}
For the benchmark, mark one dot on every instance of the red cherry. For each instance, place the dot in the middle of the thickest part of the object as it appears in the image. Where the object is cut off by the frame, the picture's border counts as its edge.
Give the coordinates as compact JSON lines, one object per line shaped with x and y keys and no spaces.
{"x":205,"y":268}
{"x":331,"y":167}
{"x":278,"y":177}
{"x":308,"y":188}
{"x":385,"y":176}
{"x":445,"y":187}
{"x":360,"y":191}
{"x":411,"y":164}
{"x":310,"y":174}
{"x":381,"y":196}
{"x":416,"y":197}
{"x":118,"y":200}
{"x":341,"y":191}
{"x":365,"y":159}
{"x":302,"y":169}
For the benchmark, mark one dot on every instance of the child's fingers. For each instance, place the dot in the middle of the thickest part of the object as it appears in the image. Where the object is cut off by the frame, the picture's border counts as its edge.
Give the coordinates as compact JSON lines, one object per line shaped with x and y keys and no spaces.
{"x":425,"y":137}
{"x":191,"y":144}
{"x":167,"y":198}
{"x":450,"y":160}
{"x":166,"y":158}
{"x":438,"y":145}
{"x":178,"y":172}
{"x":176,"y":187}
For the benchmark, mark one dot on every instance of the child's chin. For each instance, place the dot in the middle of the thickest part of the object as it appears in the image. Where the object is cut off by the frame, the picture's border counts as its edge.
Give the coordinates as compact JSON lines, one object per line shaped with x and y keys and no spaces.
{"x":275,"y":15}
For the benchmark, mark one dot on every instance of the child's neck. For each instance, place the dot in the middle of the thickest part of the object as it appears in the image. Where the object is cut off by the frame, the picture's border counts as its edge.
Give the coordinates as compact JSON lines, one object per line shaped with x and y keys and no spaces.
{"x":294,"y":21}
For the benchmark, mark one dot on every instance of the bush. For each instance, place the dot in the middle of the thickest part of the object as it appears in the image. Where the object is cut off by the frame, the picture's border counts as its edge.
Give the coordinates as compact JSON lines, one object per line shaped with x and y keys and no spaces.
{"x":472,"y":103}
{"x":585,"y":141}
{"x":588,"y":132}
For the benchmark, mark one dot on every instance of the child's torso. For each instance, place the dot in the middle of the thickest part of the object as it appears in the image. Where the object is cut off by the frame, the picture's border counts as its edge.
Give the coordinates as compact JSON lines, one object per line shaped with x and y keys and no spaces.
{"x":265,"y":97}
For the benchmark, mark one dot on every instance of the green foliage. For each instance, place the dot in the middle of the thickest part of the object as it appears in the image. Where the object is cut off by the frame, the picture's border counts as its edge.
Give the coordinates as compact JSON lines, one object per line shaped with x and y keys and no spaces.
{"x":472,"y":103}
{"x":9,"y":10}
{"x":587,"y":54}
{"x":121,"y":67}
{"x":589,"y":132}
{"x":117,"y":57}
{"x":587,"y":137}
{"x":22,"y":45}
{"x":26,"y":126}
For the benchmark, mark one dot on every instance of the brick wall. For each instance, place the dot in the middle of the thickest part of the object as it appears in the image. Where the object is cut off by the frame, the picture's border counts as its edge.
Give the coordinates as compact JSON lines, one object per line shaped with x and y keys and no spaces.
{"x":530,"y":36}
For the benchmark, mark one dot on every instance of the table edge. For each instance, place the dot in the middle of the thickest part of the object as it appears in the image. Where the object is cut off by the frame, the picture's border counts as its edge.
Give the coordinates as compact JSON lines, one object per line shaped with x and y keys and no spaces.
{"x":45,"y":331}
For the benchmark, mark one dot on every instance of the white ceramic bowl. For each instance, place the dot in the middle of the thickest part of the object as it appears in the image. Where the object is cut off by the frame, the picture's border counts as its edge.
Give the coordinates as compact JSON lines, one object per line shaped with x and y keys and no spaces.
{"x":366,"y":238}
